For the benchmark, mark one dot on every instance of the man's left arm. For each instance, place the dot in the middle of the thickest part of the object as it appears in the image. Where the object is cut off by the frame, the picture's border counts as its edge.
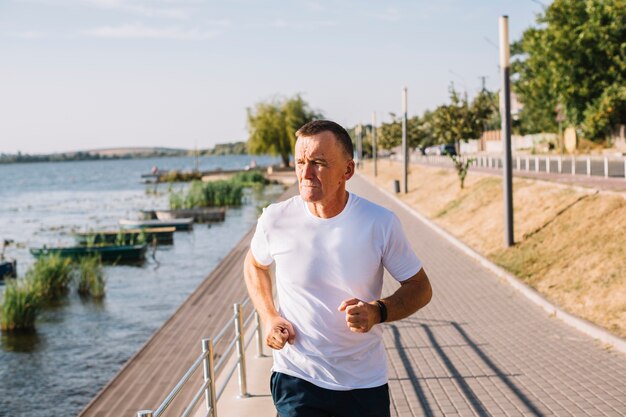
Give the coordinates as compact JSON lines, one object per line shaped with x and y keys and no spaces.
{"x":413,"y":294}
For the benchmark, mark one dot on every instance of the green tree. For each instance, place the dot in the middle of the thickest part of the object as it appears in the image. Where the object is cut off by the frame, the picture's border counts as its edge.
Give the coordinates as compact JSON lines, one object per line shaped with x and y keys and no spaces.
{"x":455,"y":121}
{"x":573,"y":58}
{"x":485,"y":112}
{"x":389,"y":135}
{"x":272,"y":126}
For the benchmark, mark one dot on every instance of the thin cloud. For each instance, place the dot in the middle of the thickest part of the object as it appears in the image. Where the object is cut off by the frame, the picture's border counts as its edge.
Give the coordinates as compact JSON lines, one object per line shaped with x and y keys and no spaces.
{"x":144,"y":32}
{"x":389,"y":15}
{"x":27,"y":34}
{"x":316,"y":24}
{"x":148,"y":9}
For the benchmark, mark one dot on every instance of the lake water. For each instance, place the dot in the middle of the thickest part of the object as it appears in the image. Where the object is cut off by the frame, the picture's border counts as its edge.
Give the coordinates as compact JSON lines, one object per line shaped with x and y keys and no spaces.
{"x":79,"y":345}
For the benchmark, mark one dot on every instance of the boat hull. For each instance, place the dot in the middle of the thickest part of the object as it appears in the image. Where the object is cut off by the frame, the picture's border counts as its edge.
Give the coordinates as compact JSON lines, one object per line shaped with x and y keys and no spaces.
{"x":199,"y":215}
{"x":8,"y":269}
{"x":109,"y":253}
{"x":158,"y":235}
{"x":179,"y":224}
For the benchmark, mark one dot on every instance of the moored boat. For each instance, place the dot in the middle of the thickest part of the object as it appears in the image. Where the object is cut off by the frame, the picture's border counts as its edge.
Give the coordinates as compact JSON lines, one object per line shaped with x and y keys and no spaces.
{"x":158,"y":235}
{"x":199,"y":214}
{"x":108,"y":253}
{"x":8,"y":269}
{"x":179,"y":224}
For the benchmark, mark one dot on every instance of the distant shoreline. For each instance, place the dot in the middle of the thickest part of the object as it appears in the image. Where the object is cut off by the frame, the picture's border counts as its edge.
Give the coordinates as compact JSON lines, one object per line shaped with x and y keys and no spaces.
{"x":236,"y":148}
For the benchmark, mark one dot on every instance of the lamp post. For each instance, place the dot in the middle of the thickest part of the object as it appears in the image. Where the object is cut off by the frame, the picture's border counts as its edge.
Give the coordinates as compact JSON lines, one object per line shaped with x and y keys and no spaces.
{"x":405,"y":145}
{"x":505,"y":110}
{"x":374,"y":143}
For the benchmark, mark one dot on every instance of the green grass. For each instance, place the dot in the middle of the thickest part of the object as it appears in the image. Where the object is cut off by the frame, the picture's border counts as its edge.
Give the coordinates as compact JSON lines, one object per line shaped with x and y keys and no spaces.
{"x":51,"y":276}
{"x":20,"y":307}
{"x":250,"y":178}
{"x":90,"y":277}
{"x":217,"y":193}
{"x":208,"y":194}
{"x":180,"y":176}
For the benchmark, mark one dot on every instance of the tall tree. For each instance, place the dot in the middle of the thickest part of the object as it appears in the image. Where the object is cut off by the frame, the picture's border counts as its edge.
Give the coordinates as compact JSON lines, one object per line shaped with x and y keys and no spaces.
{"x":576,"y":58}
{"x":272,"y":126}
{"x":456,"y":121}
{"x":389,"y":135}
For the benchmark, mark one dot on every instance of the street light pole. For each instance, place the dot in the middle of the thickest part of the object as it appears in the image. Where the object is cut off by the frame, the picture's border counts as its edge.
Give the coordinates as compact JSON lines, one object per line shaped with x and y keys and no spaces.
{"x":359,"y":144}
{"x":505,"y":110}
{"x":374,"y":143}
{"x":405,"y":145}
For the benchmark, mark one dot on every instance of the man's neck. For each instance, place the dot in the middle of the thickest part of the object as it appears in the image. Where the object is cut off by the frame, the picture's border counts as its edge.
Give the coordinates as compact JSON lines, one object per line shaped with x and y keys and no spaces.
{"x":326,"y":210}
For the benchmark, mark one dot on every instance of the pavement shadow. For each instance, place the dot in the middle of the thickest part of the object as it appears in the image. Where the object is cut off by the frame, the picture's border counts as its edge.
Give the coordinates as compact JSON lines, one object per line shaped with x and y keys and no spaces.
{"x":454,"y":374}
{"x":408,"y":365}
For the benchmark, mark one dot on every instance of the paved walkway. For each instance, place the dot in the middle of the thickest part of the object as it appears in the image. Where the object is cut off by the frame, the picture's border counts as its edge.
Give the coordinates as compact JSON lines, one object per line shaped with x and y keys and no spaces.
{"x":479,"y":348}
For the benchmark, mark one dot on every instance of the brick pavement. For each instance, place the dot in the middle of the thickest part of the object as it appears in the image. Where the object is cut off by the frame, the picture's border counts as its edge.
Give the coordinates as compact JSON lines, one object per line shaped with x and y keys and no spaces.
{"x":482,"y":349}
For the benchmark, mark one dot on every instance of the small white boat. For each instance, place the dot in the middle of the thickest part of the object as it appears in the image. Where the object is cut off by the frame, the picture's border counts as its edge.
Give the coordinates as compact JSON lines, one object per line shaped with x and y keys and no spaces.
{"x":199,"y":215}
{"x":179,"y":224}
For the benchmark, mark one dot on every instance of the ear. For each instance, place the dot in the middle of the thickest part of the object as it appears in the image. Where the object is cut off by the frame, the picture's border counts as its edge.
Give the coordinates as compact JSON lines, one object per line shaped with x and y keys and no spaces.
{"x":349,"y":170}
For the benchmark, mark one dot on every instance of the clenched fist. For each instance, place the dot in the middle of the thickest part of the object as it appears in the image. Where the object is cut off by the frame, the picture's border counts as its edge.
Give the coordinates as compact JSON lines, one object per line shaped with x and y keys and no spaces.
{"x":279,"y":331}
{"x":360,"y":316}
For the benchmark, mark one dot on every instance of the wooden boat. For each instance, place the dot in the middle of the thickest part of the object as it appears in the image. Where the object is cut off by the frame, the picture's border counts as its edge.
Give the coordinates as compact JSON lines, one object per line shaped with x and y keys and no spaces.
{"x":8,"y":269}
{"x":147,"y":215}
{"x":199,"y":214}
{"x":158,"y":235}
{"x":179,"y":224}
{"x":108,"y":253}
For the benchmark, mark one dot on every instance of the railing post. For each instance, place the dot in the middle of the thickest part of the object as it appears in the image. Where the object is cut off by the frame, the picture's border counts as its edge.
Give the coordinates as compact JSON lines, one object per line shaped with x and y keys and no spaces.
{"x":209,"y":374}
{"x":573,"y":165}
{"x":144,"y":413}
{"x":259,"y":336}
{"x":560,"y":165}
{"x":536,"y":164}
{"x":548,"y":164}
{"x":606,"y":167}
{"x":241,"y":351}
{"x":527,"y":163}
{"x":588,"y":166}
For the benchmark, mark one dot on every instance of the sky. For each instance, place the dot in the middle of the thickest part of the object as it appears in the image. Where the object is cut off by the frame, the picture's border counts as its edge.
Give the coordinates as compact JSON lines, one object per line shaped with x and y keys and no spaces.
{"x":90,"y":74}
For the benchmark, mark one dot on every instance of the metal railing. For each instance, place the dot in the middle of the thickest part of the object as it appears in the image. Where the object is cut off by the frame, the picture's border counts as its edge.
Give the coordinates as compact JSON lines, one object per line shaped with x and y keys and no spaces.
{"x":208,"y":389}
{"x":601,"y":166}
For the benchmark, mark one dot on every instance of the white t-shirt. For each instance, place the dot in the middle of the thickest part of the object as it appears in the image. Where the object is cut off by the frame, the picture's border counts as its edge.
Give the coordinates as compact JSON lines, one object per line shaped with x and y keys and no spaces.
{"x":320,"y":263}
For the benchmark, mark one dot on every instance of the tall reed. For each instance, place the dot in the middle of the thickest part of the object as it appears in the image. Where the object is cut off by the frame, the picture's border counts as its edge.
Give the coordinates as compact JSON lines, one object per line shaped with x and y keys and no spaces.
{"x":51,"y":276}
{"x":210,"y":194}
{"x":89,"y":277}
{"x":20,"y":307}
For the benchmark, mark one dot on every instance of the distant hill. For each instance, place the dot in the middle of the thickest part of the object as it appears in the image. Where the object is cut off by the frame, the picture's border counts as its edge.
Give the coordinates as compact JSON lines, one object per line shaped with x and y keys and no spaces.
{"x":134,"y":151}
{"x":235,"y":148}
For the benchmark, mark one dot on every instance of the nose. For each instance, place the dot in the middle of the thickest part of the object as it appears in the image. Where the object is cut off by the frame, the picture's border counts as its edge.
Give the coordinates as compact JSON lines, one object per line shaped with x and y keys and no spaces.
{"x":307,"y":170}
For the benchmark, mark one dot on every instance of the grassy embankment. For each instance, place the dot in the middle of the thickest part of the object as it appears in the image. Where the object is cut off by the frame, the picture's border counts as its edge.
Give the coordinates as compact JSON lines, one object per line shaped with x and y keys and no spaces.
{"x":570,"y":243}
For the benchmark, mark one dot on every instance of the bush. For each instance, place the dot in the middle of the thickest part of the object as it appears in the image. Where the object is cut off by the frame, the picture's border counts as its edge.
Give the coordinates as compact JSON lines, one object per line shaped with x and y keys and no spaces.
{"x":209,"y":194}
{"x":20,"y":307}
{"x":90,"y":277}
{"x":249,"y":178}
{"x":50,"y":276}
{"x":180,"y":176}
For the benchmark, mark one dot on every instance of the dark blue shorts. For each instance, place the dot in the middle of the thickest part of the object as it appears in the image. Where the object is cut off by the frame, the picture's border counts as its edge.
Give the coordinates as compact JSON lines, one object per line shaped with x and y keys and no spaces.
{"x":295,"y":397}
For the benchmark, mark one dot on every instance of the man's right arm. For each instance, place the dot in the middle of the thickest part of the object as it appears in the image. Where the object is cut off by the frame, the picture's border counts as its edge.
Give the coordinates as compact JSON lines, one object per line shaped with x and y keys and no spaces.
{"x":278,"y":330}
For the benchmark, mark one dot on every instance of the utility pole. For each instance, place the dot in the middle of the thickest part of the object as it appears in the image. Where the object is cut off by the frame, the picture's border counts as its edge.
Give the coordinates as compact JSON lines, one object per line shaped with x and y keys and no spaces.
{"x":483,"y":80}
{"x":505,"y":110}
{"x":405,"y":145}
{"x":359,"y":144}
{"x":374,"y":143}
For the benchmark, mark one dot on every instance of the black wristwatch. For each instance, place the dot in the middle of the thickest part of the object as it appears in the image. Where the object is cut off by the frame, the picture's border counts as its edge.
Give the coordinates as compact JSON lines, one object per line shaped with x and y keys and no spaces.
{"x":383,"y":311}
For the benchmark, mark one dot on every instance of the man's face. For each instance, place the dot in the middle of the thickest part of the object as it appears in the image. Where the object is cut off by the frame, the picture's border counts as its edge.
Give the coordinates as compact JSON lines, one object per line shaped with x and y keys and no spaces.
{"x":322,"y":168}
